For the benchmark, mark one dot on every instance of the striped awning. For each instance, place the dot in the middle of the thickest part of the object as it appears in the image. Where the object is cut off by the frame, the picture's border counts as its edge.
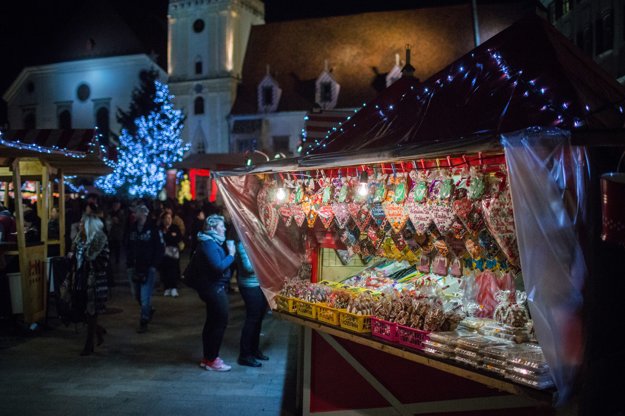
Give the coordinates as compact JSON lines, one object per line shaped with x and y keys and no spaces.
{"x":320,"y":124}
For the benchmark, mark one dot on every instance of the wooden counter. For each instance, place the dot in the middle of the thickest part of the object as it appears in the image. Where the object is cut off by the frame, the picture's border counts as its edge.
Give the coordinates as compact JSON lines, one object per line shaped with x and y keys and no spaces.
{"x":449,"y":366}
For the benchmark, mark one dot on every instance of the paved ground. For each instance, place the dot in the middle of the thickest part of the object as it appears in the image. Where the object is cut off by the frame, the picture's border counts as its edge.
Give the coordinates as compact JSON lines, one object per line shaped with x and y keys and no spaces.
{"x":155,"y":373}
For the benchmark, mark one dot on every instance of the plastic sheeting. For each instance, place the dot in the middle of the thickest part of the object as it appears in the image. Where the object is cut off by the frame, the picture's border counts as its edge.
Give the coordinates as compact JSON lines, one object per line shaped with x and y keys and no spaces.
{"x":548,"y":180}
{"x":276,"y":258}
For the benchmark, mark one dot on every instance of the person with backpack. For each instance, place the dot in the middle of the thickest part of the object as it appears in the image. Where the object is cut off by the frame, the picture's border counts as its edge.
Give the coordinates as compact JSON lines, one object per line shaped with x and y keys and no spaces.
{"x":211,"y":270}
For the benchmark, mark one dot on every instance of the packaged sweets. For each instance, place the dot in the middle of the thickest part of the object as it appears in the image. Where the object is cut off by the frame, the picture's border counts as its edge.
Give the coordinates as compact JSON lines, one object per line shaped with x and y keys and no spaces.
{"x":449,"y":338}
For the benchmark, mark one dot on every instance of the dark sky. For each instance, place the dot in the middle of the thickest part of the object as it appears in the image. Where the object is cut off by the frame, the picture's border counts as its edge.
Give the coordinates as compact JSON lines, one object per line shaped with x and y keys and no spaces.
{"x":27,"y":27}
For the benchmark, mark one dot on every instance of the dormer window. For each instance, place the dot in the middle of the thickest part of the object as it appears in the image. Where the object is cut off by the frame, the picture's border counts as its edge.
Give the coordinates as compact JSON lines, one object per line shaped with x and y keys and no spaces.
{"x":268,"y":94}
{"x":326,"y":92}
{"x":326,"y":89}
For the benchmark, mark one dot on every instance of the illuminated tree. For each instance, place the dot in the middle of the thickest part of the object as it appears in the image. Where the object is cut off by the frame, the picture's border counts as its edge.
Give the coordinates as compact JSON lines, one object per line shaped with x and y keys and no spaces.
{"x":145,"y":154}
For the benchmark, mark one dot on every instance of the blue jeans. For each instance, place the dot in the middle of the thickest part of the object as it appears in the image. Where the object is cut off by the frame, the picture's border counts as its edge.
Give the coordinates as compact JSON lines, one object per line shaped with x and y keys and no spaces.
{"x":215,"y":297}
{"x":255,"y":308}
{"x":143,"y":294}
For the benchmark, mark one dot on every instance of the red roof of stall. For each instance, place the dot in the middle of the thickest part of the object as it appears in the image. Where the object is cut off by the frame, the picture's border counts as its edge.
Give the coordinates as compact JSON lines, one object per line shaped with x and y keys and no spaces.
{"x":527,"y":75}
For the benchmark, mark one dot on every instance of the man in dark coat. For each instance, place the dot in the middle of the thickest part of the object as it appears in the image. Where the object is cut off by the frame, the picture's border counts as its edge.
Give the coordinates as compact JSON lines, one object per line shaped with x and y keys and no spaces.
{"x":145,"y":251}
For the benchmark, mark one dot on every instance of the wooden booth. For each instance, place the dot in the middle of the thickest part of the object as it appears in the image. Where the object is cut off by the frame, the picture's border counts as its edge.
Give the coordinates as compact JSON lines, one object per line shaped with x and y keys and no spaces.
{"x":437,"y":248}
{"x":42,"y":157}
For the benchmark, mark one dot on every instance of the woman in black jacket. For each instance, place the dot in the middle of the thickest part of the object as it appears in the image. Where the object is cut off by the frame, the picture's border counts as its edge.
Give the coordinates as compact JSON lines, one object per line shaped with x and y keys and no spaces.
{"x":212,"y":289}
{"x":170,"y":266}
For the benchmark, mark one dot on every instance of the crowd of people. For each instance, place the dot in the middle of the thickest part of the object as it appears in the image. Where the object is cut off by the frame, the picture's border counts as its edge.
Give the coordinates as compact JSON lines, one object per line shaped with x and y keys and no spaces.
{"x":153,"y":235}
{"x":146,"y":238}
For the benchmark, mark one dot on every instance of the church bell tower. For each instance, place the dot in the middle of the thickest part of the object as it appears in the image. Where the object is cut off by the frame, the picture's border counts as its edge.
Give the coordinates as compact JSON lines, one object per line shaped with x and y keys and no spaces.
{"x":206,"y":45}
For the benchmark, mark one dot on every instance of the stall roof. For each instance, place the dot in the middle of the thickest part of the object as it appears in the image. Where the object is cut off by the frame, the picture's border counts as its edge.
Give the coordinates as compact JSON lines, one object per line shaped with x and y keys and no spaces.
{"x":218,"y":161}
{"x":527,"y":75}
{"x":74,"y":151}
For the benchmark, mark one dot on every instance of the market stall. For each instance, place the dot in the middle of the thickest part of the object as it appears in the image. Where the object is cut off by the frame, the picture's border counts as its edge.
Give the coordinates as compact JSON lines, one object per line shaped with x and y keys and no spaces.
{"x":43,"y":157}
{"x":436,"y":242}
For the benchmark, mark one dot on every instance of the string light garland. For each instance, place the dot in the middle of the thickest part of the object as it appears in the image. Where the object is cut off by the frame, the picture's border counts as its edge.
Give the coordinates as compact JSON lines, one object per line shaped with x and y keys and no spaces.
{"x":144,"y":157}
{"x":489,"y":65}
{"x":33,"y":147}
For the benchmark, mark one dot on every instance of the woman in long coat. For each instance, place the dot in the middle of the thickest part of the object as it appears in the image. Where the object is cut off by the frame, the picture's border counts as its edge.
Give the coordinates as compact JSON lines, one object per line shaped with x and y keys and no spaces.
{"x":90,"y":248}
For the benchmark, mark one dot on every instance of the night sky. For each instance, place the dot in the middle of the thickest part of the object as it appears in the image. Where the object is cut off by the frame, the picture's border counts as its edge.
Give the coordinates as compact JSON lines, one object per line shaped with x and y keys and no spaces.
{"x":29,"y":28}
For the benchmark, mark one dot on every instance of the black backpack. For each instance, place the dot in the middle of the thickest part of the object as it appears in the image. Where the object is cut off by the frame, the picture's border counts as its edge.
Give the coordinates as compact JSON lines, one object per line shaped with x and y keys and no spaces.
{"x":192,"y":274}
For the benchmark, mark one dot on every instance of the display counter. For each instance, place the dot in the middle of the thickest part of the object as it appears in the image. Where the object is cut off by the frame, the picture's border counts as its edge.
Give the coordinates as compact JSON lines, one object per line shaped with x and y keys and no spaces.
{"x":535,"y":397}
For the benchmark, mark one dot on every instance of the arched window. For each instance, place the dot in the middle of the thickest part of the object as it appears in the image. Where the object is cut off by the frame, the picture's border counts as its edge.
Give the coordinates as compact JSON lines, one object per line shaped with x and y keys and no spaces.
{"x":198,"y":66}
{"x":102,"y":121}
{"x":198,"y":105}
{"x":65,"y":120}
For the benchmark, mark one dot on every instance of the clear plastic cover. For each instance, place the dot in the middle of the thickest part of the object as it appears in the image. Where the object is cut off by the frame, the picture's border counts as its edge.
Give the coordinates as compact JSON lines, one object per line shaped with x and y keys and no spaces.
{"x":276,"y":259}
{"x":548,"y":181}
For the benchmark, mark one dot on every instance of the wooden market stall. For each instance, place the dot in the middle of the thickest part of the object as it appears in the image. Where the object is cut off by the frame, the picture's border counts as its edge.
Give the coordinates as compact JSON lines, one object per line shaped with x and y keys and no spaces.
{"x":526,"y":110}
{"x":43,"y":157}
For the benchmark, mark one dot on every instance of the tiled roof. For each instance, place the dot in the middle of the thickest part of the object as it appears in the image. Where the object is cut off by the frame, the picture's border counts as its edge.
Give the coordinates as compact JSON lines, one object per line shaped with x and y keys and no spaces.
{"x":360,"y":50}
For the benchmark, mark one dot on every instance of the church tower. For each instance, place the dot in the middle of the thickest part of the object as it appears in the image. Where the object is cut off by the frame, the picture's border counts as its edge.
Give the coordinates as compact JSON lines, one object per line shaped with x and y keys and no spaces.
{"x":206,"y":45}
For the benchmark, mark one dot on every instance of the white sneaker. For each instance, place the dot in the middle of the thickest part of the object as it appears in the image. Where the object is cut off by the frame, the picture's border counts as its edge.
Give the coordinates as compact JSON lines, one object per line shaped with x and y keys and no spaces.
{"x":174,"y":293}
{"x":167,"y":292}
{"x":216,"y":365}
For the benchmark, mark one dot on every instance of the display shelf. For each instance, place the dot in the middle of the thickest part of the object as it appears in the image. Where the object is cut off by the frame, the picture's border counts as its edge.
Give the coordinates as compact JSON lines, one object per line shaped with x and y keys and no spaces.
{"x":448,"y":366}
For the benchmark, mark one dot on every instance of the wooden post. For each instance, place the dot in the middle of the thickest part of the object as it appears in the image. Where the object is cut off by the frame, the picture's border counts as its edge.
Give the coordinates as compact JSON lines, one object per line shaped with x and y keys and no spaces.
{"x":61,"y":213}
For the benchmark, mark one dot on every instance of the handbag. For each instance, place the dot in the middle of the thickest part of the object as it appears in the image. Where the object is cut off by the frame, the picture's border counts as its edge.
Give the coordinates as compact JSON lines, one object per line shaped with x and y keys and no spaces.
{"x":172,"y":252}
{"x":140,"y":277}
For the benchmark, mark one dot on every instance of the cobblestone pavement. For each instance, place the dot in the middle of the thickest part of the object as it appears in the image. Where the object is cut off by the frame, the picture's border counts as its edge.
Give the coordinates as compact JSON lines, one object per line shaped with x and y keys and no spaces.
{"x":155,"y":373}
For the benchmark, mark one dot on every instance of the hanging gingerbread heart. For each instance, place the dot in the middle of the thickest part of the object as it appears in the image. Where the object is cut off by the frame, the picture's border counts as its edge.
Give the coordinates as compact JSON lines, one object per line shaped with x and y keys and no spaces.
{"x":354,"y":208}
{"x":377,"y":213}
{"x":269,"y":218}
{"x":363,"y":218}
{"x":326,"y":215}
{"x":499,"y":218}
{"x":262,"y":196}
{"x":419,"y":215}
{"x":348,"y":238}
{"x":396,"y":215}
{"x":468,"y":211}
{"x":373,"y":235}
{"x":286,"y":213}
{"x":443,"y":216}
{"x":341,"y":214}
{"x":298,"y":214}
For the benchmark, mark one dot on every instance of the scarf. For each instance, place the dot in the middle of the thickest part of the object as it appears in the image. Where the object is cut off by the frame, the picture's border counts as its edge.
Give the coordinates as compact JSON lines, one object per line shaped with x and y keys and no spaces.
{"x":211,"y":235}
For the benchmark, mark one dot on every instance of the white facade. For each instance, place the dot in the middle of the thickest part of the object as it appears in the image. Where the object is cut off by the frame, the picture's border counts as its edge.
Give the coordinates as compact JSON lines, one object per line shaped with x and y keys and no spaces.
{"x":207,"y":41}
{"x":76,"y":92}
